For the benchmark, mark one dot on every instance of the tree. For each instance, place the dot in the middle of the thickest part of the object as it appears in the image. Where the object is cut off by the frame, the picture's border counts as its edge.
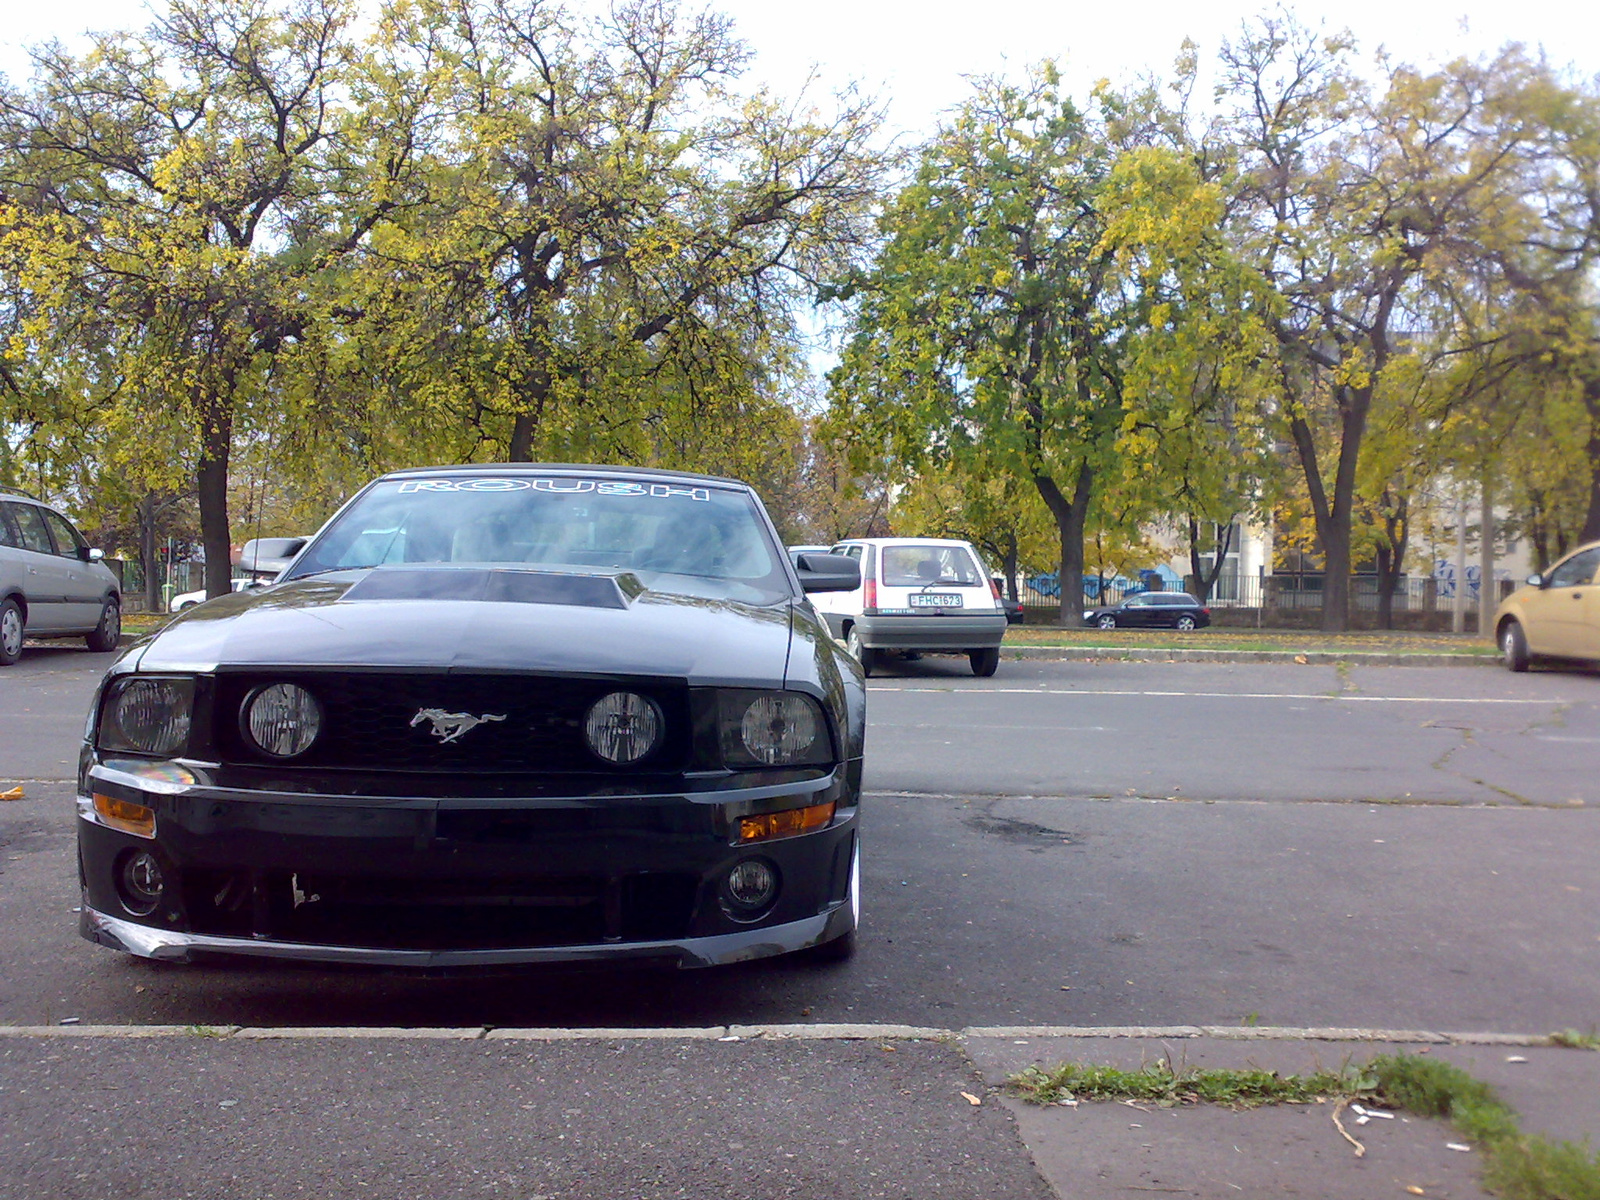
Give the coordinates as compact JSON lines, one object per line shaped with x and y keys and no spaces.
{"x":614,"y":240}
{"x":169,"y":200}
{"x":1353,"y":206}
{"x":1018,"y":264}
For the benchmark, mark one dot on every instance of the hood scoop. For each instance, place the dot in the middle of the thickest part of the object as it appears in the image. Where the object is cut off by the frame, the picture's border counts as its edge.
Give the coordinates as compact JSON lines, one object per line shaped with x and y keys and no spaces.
{"x":503,"y":586}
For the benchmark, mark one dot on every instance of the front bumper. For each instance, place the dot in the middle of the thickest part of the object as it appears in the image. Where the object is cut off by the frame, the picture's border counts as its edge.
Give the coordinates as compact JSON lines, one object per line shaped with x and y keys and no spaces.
{"x":931,"y":631}
{"x":499,"y":878}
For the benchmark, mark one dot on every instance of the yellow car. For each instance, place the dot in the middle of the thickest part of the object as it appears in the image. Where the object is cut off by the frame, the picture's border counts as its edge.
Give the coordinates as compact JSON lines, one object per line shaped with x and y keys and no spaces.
{"x":1556,"y":615}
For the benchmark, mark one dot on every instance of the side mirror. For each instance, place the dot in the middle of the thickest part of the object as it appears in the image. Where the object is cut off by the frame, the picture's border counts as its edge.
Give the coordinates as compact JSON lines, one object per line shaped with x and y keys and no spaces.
{"x":827,"y":572}
{"x":1535,"y":580}
{"x":94,"y":555}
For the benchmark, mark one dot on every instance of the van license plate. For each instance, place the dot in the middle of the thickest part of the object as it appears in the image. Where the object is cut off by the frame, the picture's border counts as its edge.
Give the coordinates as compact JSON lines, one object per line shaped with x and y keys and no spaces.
{"x":935,"y":599}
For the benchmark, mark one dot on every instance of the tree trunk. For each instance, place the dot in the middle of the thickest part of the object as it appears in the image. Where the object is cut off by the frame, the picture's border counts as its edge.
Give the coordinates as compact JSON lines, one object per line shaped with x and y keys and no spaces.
{"x":1591,"y":520}
{"x":216,"y":442}
{"x":149,"y":558}
{"x":1204,"y":581}
{"x":1333,"y":513}
{"x":1488,"y":592}
{"x":1392,"y":559}
{"x":1071,"y":516}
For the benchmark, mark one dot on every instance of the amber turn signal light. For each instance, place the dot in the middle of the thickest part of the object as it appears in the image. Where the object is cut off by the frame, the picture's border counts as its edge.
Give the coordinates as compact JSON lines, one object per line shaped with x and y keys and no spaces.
{"x":791,"y":821}
{"x":126,"y":815}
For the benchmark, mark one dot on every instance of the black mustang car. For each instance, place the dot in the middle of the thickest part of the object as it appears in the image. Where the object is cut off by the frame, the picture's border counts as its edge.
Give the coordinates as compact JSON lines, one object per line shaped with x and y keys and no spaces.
{"x":490,"y":715}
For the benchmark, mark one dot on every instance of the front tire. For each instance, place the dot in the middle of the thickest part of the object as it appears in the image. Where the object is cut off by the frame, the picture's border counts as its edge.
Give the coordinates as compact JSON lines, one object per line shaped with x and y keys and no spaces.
{"x":1107,"y":622}
{"x":867,"y":658}
{"x":108,"y":633}
{"x":11,"y":626}
{"x":1514,"y":647}
{"x":984,"y":662}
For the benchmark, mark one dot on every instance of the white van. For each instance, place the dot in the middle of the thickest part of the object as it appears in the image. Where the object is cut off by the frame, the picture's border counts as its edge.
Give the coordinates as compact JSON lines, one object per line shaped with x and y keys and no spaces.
{"x":917,"y":595}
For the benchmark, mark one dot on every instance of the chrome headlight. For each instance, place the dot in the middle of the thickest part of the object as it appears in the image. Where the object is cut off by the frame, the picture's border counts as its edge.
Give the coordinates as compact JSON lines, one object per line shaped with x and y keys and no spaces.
{"x":774,"y":729}
{"x":623,"y":727}
{"x":282,"y":719}
{"x":148,"y":715}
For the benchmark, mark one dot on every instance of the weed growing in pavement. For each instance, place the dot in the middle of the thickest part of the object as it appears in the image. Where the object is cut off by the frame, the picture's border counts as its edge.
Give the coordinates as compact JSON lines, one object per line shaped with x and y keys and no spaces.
{"x":1515,"y":1165}
{"x":1163,"y":1084}
{"x":1573,"y":1040}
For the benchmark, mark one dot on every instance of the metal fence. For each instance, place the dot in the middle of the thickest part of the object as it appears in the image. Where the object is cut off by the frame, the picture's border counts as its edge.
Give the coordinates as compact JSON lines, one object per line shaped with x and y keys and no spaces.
{"x":1418,"y":594}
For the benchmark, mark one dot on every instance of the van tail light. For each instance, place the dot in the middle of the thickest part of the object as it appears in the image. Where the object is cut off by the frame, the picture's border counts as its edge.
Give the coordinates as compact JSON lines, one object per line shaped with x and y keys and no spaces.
{"x":871,"y":596}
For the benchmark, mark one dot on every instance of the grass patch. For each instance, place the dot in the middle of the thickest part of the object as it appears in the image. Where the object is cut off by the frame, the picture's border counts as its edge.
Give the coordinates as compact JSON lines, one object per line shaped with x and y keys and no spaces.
{"x":1573,"y":1040}
{"x":1295,"y":640}
{"x":1163,"y":1084}
{"x":1518,"y":1166}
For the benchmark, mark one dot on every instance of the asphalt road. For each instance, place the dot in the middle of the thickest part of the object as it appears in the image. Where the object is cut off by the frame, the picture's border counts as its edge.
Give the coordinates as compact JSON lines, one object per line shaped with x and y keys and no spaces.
{"x":1068,"y":843}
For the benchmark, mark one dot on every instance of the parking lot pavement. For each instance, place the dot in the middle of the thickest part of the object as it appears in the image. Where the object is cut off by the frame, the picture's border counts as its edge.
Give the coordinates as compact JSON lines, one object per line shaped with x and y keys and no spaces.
{"x":1011,"y":877}
{"x":1390,"y":735}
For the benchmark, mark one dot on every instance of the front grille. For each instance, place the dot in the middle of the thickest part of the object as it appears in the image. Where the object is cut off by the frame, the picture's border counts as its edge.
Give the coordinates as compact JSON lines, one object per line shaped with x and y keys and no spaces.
{"x":370,"y":722}
{"x":420,"y":914}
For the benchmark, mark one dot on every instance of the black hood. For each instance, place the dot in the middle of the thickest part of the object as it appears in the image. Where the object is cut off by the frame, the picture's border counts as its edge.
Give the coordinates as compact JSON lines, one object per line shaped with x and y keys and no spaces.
{"x":533,"y":621}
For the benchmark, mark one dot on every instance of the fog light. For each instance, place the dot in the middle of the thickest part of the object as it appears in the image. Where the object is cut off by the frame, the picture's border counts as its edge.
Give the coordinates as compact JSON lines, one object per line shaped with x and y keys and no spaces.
{"x":125,"y":815}
{"x":140,"y":884}
{"x":751,"y":886}
{"x":766,"y":826}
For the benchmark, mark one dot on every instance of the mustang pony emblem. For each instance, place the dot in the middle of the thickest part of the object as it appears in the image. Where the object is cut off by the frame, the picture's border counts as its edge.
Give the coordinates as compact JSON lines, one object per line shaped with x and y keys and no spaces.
{"x":447,"y":726}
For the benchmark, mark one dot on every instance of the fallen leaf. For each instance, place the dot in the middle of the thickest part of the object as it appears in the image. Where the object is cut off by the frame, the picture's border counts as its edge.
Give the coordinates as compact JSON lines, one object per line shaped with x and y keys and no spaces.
{"x":1301,"y":659}
{"x":970,"y":1098}
{"x":1516,"y":1058}
{"x":14,"y":794}
{"x":1416,"y":1191}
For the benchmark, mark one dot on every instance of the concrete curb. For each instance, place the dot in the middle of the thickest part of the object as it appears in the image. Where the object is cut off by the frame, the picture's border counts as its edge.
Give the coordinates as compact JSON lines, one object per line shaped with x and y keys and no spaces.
{"x":1354,"y":658}
{"x":817,"y":1032}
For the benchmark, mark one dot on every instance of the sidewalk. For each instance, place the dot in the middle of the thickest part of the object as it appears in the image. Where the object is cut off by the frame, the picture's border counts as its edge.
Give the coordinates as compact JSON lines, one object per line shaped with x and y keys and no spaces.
{"x":1104,"y":1150}
{"x":802,"y":1111}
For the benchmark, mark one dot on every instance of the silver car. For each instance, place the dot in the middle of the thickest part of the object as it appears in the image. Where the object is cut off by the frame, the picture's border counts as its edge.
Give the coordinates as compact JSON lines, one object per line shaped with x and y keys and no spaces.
{"x":51,"y":583}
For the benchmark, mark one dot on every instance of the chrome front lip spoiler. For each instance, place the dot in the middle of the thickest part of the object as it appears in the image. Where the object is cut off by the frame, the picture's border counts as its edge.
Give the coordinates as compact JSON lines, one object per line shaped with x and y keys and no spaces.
{"x":168,"y":945}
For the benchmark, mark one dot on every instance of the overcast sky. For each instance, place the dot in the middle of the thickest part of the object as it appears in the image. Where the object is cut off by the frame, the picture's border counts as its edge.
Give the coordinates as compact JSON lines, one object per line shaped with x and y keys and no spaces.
{"x":914,"y":55}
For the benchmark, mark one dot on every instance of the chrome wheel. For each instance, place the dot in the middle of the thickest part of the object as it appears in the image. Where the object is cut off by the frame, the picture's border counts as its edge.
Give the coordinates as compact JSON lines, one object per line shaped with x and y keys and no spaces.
{"x":1514,"y":647}
{"x":10,"y":633}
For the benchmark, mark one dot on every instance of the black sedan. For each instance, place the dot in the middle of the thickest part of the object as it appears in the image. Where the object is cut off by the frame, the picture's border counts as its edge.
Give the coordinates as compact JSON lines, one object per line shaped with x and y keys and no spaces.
{"x":1151,"y":610}
{"x":490,"y":715}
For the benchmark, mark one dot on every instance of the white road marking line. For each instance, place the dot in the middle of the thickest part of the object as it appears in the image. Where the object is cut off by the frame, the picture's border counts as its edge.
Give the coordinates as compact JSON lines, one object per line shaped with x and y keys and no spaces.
{"x":1228,"y":695}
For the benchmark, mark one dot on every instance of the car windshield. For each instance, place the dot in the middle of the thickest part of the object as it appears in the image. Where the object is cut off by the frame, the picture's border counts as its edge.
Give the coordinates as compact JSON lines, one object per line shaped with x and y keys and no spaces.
{"x":687,"y":538}
{"x":915,"y":566}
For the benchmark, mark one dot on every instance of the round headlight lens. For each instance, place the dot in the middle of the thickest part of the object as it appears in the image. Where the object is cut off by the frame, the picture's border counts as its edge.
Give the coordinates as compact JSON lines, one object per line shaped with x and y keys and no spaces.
{"x":751,"y":886}
{"x":623,"y":727}
{"x":152,"y":715}
{"x":779,"y":728}
{"x":283,"y":719}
